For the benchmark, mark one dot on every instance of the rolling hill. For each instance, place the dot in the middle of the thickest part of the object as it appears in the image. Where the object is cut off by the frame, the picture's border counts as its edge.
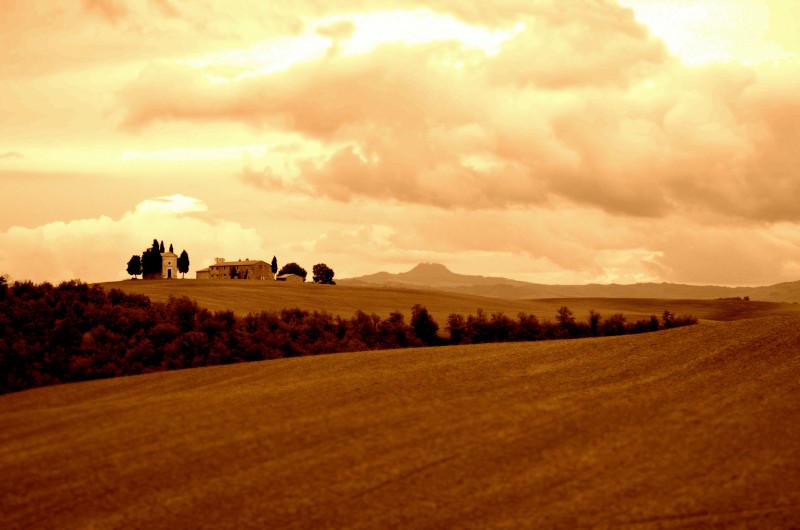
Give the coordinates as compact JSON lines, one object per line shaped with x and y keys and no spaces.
{"x":438,"y":277}
{"x":692,"y":427}
{"x":244,"y":297}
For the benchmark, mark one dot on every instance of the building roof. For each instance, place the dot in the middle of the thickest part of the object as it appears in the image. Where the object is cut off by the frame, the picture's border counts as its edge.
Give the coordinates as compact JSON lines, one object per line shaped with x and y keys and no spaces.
{"x":207,"y":269}
{"x":288,"y":275}
{"x":240,"y":262}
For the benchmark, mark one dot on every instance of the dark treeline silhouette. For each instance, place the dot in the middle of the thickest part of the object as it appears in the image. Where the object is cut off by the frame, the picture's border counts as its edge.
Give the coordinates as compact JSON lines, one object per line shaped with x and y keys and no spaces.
{"x":477,"y":329}
{"x":76,"y":332}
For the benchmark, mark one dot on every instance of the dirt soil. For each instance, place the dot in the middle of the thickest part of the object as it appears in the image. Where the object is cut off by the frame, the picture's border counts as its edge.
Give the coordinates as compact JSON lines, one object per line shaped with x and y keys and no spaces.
{"x":696,"y":427}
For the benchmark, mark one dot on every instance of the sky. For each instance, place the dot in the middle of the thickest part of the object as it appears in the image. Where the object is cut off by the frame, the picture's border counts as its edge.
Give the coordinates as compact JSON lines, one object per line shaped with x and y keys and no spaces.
{"x":589,"y":141}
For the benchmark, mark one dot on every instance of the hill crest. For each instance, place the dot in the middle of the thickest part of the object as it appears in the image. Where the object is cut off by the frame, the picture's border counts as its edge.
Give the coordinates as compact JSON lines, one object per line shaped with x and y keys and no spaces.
{"x":430,"y":275}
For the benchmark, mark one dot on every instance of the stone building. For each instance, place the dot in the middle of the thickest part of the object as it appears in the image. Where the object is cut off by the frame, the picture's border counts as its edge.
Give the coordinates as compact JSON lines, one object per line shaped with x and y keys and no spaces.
{"x":241,"y":269}
{"x":169,"y":265}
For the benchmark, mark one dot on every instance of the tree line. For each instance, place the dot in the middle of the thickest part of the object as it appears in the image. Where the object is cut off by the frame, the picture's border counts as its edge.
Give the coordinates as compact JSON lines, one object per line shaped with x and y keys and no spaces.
{"x":77,"y":332}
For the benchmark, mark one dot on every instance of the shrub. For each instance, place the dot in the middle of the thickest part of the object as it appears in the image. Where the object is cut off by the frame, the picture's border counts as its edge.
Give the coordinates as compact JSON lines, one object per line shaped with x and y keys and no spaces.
{"x":614,"y":325}
{"x":528,"y":328}
{"x":456,"y":326}
{"x":425,"y":328}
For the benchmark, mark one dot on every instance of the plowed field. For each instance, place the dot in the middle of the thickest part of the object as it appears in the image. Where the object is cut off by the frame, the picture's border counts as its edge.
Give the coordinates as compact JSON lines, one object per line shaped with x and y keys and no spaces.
{"x":692,"y":427}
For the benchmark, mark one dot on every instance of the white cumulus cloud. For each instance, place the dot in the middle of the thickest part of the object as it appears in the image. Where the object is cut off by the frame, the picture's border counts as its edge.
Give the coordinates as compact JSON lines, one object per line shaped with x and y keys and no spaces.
{"x":98,"y":249}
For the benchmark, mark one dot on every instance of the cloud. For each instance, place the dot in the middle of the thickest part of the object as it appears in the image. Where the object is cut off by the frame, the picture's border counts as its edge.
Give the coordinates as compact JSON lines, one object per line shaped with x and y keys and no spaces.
{"x":340,"y":29}
{"x":556,"y":139}
{"x":11,"y":155}
{"x":584,"y":105}
{"x":116,"y":10}
{"x":264,"y":179}
{"x":166,"y":8}
{"x":578,"y":45}
{"x":98,"y":249}
{"x":559,"y":244}
{"x":50,"y":38}
{"x":172,"y":204}
{"x":112,"y":10}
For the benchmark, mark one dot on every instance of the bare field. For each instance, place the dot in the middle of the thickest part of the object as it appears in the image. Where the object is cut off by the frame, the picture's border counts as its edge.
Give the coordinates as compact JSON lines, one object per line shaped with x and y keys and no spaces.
{"x":692,"y":427}
{"x":244,"y":297}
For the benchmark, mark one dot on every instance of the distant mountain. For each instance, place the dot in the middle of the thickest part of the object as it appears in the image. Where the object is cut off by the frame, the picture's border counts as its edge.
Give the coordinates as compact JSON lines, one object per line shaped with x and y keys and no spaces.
{"x":431,"y":275}
{"x":437,"y":276}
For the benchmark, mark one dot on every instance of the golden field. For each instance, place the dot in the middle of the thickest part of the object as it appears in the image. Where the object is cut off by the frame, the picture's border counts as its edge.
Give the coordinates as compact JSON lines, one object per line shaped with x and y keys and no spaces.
{"x":691,"y":427}
{"x":244,"y":297}
{"x":684,"y":428}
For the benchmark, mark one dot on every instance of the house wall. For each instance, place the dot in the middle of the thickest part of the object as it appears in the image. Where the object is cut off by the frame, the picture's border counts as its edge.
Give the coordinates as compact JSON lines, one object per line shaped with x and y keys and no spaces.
{"x":169,"y":265}
{"x":256,"y":271}
{"x":292,"y":278}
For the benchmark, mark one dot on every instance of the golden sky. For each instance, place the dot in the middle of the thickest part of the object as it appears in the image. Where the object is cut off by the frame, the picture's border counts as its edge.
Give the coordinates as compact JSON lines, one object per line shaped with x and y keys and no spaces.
{"x":548,"y":141}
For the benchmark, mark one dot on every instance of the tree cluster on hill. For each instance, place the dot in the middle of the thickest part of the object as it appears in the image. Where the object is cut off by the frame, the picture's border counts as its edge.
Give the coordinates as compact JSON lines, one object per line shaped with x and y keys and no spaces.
{"x":293,"y":268}
{"x":149,"y":263}
{"x":151,"y":259}
{"x":76,"y":332}
{"x":321,"y":272}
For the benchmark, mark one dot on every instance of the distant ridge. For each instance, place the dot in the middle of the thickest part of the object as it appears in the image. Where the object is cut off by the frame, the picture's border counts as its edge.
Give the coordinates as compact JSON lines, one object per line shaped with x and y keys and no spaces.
{"x":432,"y":275}
{"x":439,"y":277}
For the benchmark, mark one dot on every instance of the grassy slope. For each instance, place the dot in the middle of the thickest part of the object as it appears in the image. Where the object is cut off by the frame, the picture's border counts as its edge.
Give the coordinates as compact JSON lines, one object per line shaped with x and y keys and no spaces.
{"x":251,"y":296}
{"x":686,"y":427}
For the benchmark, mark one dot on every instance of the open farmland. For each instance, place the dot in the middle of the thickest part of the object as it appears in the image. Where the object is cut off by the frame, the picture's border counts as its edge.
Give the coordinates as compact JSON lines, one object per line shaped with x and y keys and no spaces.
{"x":244,"y":297}
{"x":697,"y":426}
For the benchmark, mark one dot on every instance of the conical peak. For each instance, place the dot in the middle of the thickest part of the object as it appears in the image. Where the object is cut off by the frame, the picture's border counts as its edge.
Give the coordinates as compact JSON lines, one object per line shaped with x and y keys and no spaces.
{"x":430,"y":268}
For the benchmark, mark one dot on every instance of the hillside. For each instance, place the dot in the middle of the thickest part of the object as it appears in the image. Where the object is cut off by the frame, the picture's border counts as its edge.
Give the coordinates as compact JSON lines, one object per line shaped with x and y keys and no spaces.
{"x":439,"y":277}
{"x":694,"y":427}
{"x":244,"y":297}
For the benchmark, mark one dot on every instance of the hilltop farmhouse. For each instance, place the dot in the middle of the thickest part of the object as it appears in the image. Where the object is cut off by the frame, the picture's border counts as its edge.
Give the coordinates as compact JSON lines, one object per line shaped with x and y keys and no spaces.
{"x":241,"y":269}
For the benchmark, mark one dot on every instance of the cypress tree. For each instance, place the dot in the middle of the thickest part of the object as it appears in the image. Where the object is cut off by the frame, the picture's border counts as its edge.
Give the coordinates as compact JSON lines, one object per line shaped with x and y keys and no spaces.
{"x":151,"y":259}
{"x":183,"y":263}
